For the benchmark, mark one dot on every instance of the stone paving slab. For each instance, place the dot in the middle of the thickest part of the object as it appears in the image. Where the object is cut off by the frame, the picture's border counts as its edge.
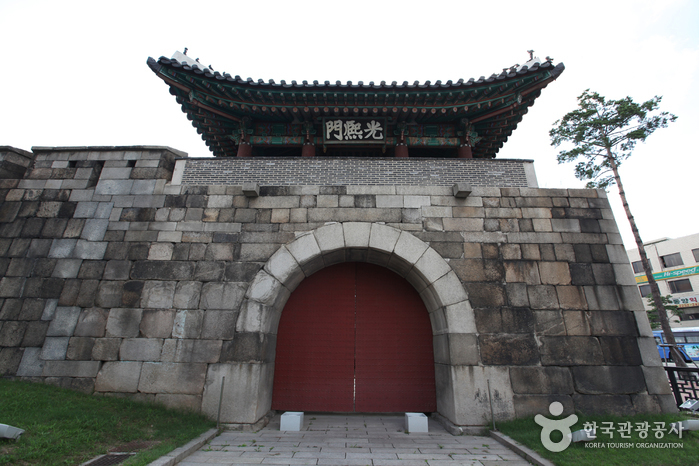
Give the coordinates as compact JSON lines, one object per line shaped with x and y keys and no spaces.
{"x":361,"y":439}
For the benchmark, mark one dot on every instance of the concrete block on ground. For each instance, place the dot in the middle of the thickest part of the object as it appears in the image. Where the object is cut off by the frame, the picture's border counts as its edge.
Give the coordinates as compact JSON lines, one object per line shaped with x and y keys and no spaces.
{"x":415,"y":422}
{"x":292,"y":421}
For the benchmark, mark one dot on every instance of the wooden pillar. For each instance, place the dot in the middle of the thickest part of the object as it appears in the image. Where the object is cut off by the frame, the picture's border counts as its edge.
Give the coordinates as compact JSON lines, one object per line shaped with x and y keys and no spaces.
{"x":244,"y":149}
{"x":401,"y":150}
{"x":464,"y":152}
{"x":308,"y":150}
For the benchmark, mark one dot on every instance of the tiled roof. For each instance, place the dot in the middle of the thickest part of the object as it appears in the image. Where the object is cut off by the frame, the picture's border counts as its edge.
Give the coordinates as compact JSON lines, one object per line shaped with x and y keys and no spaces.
{"x":216,"y":102}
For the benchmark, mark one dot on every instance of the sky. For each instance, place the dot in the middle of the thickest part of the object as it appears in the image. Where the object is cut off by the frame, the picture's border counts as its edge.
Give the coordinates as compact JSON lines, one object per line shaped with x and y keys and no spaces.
{"x":75,"y":72}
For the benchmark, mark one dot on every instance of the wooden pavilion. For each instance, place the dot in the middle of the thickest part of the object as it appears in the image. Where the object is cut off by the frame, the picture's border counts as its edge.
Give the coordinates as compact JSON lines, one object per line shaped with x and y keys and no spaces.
{"x":243,"y":117}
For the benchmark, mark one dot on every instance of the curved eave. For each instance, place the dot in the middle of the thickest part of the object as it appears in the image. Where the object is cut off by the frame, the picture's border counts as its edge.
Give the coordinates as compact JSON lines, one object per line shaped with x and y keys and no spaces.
{"x":216,"y":103}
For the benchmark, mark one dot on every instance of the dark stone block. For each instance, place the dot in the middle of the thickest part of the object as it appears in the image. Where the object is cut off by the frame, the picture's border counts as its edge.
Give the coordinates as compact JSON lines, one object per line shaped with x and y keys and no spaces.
{"x":19,"y":247}
{"x":209,"y":271}
{"x":137,"y":251}
{"x":604,"y":274}
{"x":39,"y":247}
{"x":599,"y":253}
{"x":19,"y":267}
{"x":11,"y":287}
{"x":175,"y":201}
{"x":245,"y":215}
{"x":144,"y":173}
{"x":12,"y":332}
{"x":582,"y":253}
{"x":116,"y":251}
{"x":35,"y":334}
{"x":11,"y":230}
{"x":250,"y":348}
{"x":180,"y":252}
{"x":70,"y":292}
{"x":507,"y":349}
{"x":241,"y":271}
{"x":108,"y":294}
{"x":88,"y":293}
{"x":4,"y":265}
{"x":613,"y":323}
{"x":219,"y":325}
{"x":10,"y":358}
{"x":29,"y":209}
{"x":131,"y":295}
{"x":32,"y":227}
{"x":558,"y":212}
{"x":77,"y":384}
{"x":531,"y":405}
{"x":581,"y":274}
{"x":477,"y":270}
{"x":570,"y":351}
{"x":195,"y":190}
{"x":54,"y":227}
{"x":549,"y":323}
{"x":48,"y":288}
{"x":91,"y":323}
{"x":162,"y":270}
{"x":44,"y":267}
{"x":11,"y":309}
{"x":67,"y":209}
{"x":619,"y":351}
{"x":196,"y":201}
{"x":573,"y":212}
{"x":74,"y":228}
{"x":365,"y":201}
{"x":114,"y":235}
{"x":541,"y":380}
{"x":274,"y":190}
{"x":226,"y":237}
{"x":486,"y":295}
{"x":91,"y":269}
{"x":548,"y":252}
{"x":619,"y":405}
{"x":80,"y":349}
{"x":138,"y":214}
{"x":613,"y":380}
{"x":329,"y":190}
{"x":32,"y":309}
{"x":526,"y":225}
{"x":504,"y":320}
{"x":117,"y":270}
{"x":588,"y":225}
{"x":226,"y":216}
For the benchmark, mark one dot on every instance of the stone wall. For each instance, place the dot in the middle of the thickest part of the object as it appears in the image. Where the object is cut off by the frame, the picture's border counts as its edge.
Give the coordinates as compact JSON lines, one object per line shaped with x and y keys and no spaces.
{"x":119,"y":282}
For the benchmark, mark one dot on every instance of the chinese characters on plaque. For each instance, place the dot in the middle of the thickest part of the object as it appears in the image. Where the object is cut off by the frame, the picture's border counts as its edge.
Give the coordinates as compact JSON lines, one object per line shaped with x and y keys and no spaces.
{"x":354,"y":130}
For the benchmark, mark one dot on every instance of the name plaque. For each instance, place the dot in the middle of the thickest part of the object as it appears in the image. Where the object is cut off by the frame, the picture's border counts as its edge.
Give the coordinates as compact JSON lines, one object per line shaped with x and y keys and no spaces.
{"x":354,"y":131}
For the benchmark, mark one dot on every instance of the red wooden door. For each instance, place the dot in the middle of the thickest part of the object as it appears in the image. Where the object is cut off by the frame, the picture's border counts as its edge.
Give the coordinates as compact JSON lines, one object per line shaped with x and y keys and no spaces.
{"x":354,"y":337}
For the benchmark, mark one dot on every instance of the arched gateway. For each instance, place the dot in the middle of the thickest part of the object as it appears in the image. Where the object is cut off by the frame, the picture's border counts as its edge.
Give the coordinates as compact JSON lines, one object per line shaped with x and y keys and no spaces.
{"x":452,"y":324}
{"x":354,"y":337}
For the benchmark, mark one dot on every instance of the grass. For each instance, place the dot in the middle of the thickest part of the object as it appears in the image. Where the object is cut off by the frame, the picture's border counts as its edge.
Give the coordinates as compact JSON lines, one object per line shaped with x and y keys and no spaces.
{"x":63,"y":427}
{"x":527,"y":432}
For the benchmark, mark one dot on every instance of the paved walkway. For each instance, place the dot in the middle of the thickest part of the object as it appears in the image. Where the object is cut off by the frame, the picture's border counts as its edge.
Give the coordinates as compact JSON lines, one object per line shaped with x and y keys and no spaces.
{"x":358,"y":439}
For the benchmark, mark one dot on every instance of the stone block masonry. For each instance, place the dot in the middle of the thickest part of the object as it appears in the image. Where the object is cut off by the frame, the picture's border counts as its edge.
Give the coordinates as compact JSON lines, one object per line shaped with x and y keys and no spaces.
{"x":136,"y":271}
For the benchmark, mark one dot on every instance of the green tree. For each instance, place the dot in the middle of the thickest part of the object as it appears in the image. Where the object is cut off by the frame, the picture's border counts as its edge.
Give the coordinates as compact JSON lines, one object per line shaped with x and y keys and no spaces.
{"x":669,"y":307}
{"x":603,"y":133}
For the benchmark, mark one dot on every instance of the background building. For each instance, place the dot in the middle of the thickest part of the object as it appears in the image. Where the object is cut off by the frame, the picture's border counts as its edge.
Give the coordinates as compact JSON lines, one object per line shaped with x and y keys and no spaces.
{"x":675,"y":265}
